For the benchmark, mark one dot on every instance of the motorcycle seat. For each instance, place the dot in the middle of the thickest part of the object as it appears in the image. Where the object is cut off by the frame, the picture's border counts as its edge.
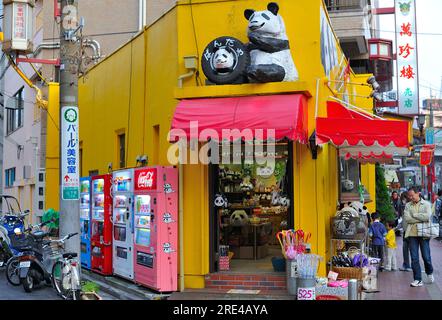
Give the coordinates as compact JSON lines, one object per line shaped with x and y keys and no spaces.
{"x":38,"y":235}
{"x":69,"y":255}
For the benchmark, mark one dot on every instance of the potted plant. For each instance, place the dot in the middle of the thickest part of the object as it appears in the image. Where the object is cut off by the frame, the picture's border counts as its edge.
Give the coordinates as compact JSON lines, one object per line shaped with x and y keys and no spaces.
{"x":89,"y":291}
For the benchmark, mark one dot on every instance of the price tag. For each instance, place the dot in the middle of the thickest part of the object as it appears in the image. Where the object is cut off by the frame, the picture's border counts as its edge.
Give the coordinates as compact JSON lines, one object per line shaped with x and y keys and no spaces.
{"x":333,"y":275}
{"x":306,"y":293}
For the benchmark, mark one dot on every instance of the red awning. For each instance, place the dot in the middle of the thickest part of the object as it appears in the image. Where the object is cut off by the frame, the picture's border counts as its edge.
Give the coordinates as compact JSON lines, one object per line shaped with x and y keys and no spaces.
{"x":245,"y":118}
{"x":360,"y":136}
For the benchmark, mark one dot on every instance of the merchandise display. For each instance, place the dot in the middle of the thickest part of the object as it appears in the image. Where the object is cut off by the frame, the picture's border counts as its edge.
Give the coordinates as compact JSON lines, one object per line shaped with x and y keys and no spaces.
{"x":252,"y":203}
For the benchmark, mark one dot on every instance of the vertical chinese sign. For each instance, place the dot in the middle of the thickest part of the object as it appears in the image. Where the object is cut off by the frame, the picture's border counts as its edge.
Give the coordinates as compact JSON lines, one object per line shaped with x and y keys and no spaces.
{"x":69,"y":154}
{"x":20,"y":21}
{"x":406,"y":50}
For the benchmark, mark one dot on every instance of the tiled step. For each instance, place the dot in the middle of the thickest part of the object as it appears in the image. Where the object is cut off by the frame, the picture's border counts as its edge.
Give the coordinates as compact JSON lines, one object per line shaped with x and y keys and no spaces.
{"x":227,"y":281}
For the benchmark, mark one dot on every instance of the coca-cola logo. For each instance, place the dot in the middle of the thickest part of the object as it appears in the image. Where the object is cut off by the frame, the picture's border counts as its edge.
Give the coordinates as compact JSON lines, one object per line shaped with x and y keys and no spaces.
{"x":146,"y":180}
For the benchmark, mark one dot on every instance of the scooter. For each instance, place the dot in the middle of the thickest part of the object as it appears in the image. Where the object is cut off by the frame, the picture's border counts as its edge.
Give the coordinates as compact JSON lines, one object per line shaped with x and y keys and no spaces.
{"x":19,"y":243}
{"x":36,"y":264}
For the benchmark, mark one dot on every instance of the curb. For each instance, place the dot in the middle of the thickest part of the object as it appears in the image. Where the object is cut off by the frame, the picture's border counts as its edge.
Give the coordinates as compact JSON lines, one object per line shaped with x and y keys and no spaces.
{"x":121,"y":288}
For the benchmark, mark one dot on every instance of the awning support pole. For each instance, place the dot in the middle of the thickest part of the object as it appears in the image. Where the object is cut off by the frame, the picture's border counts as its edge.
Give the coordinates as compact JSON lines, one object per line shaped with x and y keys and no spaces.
{"x":362,"y":111}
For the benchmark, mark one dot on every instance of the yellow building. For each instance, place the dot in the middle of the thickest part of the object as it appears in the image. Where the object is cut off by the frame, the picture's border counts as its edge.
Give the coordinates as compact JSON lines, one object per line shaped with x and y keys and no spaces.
{"x":130,"y":98}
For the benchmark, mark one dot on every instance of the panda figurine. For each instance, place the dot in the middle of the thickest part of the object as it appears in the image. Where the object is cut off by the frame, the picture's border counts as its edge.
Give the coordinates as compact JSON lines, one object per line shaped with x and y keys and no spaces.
{"x":269,"y":47}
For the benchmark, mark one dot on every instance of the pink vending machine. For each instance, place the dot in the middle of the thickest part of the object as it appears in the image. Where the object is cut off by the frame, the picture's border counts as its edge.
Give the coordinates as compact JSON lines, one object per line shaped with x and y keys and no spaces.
{"x":156,"y":228}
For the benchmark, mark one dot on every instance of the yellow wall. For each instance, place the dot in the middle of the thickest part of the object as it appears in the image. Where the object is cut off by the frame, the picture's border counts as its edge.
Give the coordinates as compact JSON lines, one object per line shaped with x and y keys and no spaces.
{"x":52,"y":149}
{"x":141,"y":77}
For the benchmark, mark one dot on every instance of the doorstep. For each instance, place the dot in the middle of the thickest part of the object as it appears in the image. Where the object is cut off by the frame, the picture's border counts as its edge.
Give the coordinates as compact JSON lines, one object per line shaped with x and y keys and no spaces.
{"x":120,"y":288}
{"x":214,"y":294}
{"x":246,"y":281}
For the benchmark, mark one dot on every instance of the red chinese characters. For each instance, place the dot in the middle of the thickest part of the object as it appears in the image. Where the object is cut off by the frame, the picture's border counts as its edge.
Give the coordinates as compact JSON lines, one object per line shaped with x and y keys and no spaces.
{"x":406,"y":30}
{"x":405,"y":51}
{"x":407,"y":72}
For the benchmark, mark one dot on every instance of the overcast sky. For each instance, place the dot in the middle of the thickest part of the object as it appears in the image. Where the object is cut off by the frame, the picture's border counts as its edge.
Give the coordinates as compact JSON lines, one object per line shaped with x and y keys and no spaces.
{"x":429,"y":28}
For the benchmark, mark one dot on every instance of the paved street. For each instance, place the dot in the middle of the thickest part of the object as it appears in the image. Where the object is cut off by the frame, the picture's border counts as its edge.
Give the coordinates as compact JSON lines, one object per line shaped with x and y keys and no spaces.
{"x":396,"y":285}
{"x":9,"y":292}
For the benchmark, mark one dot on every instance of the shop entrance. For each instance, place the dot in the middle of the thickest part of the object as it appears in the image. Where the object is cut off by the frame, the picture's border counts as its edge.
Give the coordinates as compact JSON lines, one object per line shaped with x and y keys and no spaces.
{"x":249,"y":203}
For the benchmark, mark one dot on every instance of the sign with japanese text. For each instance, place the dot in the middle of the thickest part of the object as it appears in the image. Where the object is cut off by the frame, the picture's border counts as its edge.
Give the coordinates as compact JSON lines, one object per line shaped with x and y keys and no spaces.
{"x":20,"y":21}
{"x":406,"y":51}
{"x":70,"y":154}
{"x":146,"y":179}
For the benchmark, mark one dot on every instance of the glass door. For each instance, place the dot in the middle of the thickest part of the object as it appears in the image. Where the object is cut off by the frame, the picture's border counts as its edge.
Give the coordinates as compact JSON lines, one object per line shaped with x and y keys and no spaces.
{"x":98,"y":207}
{"x":142,"y":220}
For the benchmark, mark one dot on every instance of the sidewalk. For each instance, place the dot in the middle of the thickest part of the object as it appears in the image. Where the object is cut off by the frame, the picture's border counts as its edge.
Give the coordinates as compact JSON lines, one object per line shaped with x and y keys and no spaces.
{"x":396,"y":285}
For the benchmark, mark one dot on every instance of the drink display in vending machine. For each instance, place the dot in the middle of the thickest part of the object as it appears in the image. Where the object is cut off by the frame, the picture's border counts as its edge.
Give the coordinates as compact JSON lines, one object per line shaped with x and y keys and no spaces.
{"x":85,"y":222}
{"x":101,"y":233}
{"x":123,"y":219}
{"x":156,"y":228}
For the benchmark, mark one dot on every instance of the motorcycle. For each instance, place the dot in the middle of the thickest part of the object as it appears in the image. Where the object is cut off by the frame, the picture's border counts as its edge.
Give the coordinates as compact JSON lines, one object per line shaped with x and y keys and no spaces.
{"x":20,"y":242}
{"x":36,"y":264}
{"x":10,"y":221}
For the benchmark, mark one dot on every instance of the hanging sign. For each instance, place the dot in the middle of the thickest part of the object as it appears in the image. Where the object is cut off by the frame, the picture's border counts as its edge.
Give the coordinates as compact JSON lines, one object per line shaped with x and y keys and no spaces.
{"x":406,"y":50}
{"x":429,"y":136}
{"x":426,"y":156}
{"x":69,"y":154}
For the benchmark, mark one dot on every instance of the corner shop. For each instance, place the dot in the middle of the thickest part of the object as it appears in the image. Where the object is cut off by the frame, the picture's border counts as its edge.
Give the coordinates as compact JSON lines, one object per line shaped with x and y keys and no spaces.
{"x":134,"y":91}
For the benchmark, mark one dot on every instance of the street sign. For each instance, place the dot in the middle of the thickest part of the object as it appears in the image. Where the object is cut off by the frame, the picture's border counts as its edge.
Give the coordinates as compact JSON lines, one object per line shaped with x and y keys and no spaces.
{"x":429,"y":136}
{"x":70,"y":154}
{"x":406,"y":48}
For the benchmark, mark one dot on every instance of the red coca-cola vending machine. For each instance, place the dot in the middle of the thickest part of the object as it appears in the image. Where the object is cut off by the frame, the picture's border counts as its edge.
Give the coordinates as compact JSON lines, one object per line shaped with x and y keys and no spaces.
{"x":101,"y":233}
{"x":156,"y":228}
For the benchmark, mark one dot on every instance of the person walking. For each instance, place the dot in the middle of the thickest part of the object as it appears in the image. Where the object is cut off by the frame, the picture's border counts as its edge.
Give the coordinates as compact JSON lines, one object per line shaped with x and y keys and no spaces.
{"x":391,"y":248}
{"x":418,"y":211}
{"x":377,"y":232}
{"x":437,"y":212}
{"x":406,"y":265}
{"x":396,"y":203}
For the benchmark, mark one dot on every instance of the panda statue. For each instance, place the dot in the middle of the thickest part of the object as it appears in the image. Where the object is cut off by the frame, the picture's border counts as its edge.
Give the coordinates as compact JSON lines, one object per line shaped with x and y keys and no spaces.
{"x":362,"y":210}
{"x":269,"y":47}
{"x":239,"y":218}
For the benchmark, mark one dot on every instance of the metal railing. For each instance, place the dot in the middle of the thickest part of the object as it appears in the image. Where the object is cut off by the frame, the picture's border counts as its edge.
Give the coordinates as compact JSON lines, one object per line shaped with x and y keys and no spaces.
{"x":349,"y":5}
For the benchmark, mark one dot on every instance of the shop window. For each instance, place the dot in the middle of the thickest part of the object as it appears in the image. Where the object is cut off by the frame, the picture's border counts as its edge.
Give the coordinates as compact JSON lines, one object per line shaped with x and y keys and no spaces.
{"x":350,"y":181}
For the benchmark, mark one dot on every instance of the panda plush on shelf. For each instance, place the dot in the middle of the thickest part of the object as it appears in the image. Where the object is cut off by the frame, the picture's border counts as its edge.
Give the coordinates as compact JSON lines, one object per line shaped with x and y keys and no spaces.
{"x":269,"y":47}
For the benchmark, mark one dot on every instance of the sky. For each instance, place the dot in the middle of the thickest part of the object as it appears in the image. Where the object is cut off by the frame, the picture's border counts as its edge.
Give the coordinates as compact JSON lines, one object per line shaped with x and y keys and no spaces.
{"x":429,"y":28}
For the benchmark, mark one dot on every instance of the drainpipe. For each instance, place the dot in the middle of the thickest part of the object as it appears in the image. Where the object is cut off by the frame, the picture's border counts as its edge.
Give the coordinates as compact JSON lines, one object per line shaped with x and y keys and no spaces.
{"x":46,"y":45}
{"x":181,"y":223}
{"x":141,"y":14}
{"x":95,"y":46}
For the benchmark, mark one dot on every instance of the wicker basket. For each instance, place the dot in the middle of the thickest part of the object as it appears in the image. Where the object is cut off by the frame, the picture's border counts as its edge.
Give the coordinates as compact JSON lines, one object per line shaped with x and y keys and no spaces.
{"x":348,"y":272}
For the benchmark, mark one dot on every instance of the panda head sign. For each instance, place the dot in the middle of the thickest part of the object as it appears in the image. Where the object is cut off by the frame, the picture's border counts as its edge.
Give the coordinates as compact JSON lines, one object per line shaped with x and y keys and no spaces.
{"x":266,"y":58}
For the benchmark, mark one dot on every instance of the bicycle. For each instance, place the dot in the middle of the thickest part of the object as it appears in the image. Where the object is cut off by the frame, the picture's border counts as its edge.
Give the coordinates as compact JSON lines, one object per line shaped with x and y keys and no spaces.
{"x":65,"y":271}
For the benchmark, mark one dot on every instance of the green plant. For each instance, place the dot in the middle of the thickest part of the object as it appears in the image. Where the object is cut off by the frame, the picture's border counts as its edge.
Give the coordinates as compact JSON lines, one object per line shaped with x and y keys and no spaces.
{"x":383,"y":203}
{"x":90,"y":286}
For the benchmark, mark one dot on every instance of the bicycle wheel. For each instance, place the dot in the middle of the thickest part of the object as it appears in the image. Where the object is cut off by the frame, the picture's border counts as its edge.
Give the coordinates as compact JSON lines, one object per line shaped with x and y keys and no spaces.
{"x":12,"y":271}
{"x":57,"y":278}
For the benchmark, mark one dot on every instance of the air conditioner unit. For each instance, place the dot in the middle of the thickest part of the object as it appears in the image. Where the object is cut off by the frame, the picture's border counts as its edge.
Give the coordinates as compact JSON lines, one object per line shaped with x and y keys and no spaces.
{"x":27,"y":170}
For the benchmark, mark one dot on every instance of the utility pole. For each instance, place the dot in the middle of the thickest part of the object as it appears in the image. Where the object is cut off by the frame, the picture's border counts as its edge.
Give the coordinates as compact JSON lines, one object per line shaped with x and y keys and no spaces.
{"x":69,"y":149}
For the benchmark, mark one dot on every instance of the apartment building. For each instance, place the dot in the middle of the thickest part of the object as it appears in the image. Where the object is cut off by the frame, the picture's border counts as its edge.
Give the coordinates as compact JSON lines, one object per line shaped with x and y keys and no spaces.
{"x":108,"y":25}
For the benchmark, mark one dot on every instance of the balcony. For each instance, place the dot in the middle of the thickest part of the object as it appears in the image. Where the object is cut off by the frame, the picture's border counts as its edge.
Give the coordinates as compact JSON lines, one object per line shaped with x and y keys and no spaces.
{"x":351,"y":20}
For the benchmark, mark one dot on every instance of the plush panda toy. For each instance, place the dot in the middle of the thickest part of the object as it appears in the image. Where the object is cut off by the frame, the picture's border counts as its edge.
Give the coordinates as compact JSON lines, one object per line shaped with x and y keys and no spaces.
{"x":271,"y":59}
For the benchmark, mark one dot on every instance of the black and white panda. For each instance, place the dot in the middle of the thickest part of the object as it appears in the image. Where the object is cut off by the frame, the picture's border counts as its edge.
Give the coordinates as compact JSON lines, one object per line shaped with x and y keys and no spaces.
{"x":271,"y":59}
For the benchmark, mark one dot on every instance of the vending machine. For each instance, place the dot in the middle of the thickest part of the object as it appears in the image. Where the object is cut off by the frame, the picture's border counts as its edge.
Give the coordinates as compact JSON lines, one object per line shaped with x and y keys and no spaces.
{"x":85,"y":222}
{"x":156,"y":228}
{"x":123,"y":219}
{"x":101,"y":233}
